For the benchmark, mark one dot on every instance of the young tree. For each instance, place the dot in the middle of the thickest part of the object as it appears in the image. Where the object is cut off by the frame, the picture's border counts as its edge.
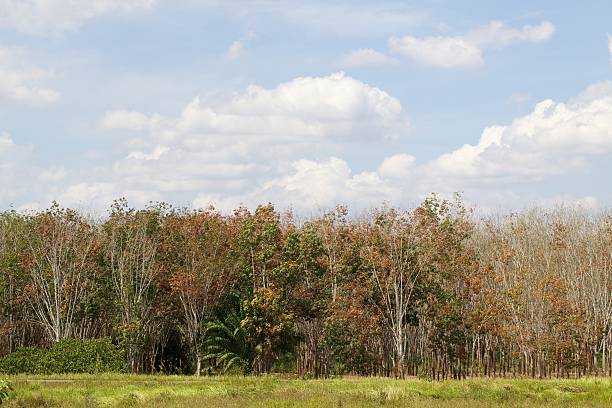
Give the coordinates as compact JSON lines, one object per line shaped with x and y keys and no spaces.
{"x":269,"y":325}
{"x":204,"y":270}
{"x":259,"y":242}
{"x":13,"y":281}
{"x":391,"y":255}
{"x":61,"y":244}
{"x":130,"y":250}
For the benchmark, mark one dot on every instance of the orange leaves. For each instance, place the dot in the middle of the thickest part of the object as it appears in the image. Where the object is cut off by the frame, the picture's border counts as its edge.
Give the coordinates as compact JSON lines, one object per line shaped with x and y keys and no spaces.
{"x":187,"y":284}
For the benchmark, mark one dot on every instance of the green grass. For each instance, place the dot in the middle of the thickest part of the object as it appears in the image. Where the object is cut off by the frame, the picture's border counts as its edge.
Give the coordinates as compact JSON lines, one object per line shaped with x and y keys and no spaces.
{"x":111,"y":390}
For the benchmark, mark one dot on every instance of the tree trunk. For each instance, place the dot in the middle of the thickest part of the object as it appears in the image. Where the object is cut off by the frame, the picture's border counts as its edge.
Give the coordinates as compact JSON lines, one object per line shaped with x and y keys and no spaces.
{"x":198,"y":364}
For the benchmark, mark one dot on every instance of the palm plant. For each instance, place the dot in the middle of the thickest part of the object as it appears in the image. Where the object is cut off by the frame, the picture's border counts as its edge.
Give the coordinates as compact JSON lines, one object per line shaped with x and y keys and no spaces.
{"x":227,"y":343}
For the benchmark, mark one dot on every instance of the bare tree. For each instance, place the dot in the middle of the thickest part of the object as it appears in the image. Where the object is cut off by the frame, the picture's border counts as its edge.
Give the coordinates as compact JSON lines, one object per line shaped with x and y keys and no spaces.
{"x":61,"y":243}
{"x":130,"y":251}
{"x":390,"y":252}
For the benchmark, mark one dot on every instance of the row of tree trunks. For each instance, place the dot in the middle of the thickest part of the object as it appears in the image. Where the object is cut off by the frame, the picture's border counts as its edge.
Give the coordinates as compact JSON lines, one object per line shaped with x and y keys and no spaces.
{"x":480,"y":359}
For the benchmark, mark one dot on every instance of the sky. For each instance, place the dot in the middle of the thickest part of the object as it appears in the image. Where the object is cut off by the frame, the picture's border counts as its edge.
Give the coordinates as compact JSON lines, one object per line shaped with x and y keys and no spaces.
{"x":305,"y":104}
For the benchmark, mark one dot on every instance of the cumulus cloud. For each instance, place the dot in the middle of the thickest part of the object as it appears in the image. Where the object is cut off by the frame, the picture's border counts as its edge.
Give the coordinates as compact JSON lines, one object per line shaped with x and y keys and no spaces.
{"x":285,"y":145}
{"x":398,"y":166}
{"x":222,"y":149}
{"x":309,"y":185}
{"x":322,"y":184}
{"x":467,"y":51}
{"x":52,"y":17}
{"x":303,"y":111}
{"x":553,"y":139}
{"x":21,"y":82}
{"x":365,"y":56}
{"x":556,"y":138}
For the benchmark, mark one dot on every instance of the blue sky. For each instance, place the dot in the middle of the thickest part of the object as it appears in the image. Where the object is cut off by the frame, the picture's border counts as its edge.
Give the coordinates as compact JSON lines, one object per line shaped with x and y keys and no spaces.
{"x":304,"y":104}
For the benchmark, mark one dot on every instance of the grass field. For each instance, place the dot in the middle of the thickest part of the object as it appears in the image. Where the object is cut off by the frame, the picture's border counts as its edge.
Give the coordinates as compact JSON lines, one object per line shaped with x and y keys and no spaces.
{"x":172,"y":391}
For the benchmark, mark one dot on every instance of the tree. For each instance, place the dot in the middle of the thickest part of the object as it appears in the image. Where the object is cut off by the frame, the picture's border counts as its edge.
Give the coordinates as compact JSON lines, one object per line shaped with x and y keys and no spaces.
{"x":61,"y":245}
{"x":130,"y":253}
{"x":391,"y":255}
{"x":204,"y":270}
{"x":13,"y":280}
{"x":269,"y":326}
{"x":259,"y":241}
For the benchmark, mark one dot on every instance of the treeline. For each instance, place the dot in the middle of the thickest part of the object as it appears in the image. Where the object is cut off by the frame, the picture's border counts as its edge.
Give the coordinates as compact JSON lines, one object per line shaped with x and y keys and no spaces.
{"x":430,"y":292}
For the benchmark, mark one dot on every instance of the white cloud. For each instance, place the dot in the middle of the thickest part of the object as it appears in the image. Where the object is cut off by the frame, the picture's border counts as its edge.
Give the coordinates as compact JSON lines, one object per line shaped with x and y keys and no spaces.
{"x":52,"y":17}
{"x":234,"y":50}
{"x":21,"y":82}
{"x":310,"y":185}
{"x":99,"y":195}
{"x":553,"y":139}
{"x":443,"y":52}
{"x":330,"y":186}
{"x":587,"y":202}
{"x":610,"y":47}
{"x":496,"y":34}
{"x":21,"y":176}
{"x":87,"y":192}
{"x":365,"y":56}
{"x":252,"y":137}
{"x":284,"y":145}
{"x":467,"y":51}
{"x":397,"y":166}
{"x":53,"y":174}
{"x":123,"y":119}
{"x":154,"y":155}
{"x":556,"y":138}
{"x":11,"y":157}
{"x":303,"y":111}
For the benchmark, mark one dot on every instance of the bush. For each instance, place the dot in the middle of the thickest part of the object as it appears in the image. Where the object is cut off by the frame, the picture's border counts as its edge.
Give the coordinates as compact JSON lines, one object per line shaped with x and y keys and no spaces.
{"x":27,"y":360}
{"x":85,"y":356}
{"x":67,"y":356}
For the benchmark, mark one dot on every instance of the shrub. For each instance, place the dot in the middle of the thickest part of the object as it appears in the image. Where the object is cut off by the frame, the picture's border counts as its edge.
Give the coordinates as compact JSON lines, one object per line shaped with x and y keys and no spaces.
{"x":84,"y":356}
{"x":67,"y":356}
{"x":27,"y":360}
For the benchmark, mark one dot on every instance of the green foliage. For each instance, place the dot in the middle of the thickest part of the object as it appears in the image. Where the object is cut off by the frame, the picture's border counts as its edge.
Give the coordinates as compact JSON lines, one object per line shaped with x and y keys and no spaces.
{"x":227,"y":343}
{"x":67,"y":356}
{"x":26,"y":360}
{"x":269,"y":326}
{"x":85,"y":356}
{"x":5,"y":389}
{"x":428,"y":291}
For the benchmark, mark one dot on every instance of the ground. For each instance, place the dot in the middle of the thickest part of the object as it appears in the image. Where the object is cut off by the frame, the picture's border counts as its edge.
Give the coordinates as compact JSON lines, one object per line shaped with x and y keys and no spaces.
{"x":272,"y":391}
